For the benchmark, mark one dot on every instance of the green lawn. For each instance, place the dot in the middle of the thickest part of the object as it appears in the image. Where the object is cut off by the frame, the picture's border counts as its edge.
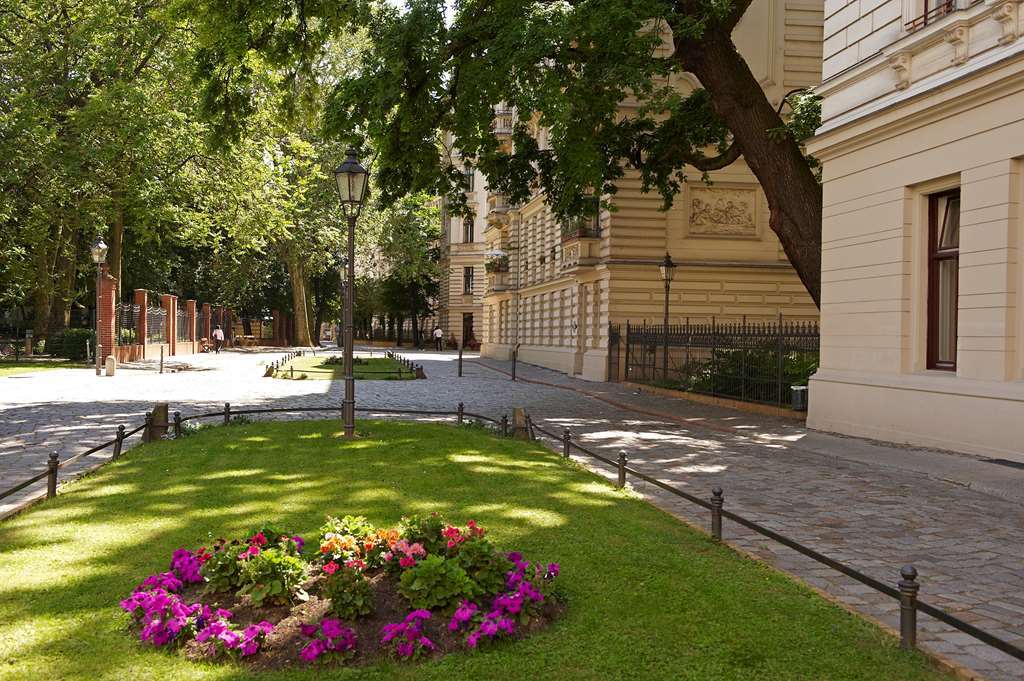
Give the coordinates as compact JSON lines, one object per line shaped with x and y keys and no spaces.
{"x":376,"y":368}
{"x":27,"y":366}
{"x":648,"y":597}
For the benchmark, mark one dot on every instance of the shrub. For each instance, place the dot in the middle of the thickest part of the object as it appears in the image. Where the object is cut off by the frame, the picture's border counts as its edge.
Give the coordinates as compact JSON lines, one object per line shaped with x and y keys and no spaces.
{"x":270,"y":574}
{"x":73,"y":343}
{"x":427,"y":530}
{"x":350,"y":593}
{"x":222,"y":570}
{"x":355,"y":525}
{"x":485,"y":566}
{"x":435,"y":583}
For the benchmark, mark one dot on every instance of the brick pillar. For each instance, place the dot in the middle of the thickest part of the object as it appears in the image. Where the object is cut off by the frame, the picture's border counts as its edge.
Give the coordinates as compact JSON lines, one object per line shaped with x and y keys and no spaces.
{"x":190,"y":310}
{"x":207,"y":330}
{"x":170,"y":304}
{"x":105,"y":315}
{"x":142,"y":300}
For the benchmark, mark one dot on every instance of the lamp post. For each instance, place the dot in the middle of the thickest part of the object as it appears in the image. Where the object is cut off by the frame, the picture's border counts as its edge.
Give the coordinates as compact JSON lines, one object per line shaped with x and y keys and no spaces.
{"x":98,"y":251}
{"x":668,"y":270}
{"x":351,"y":178}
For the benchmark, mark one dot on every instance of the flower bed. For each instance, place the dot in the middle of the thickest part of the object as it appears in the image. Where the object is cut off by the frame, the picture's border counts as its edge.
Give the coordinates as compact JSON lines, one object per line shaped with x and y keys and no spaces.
{"x":421,"y":590}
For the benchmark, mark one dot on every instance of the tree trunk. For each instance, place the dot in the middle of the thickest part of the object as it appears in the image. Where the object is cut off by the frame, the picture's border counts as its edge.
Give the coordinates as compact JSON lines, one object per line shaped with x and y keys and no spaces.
{"x":793,"y":192}
{"x":415,"y":330}
{"x":297,"y":276}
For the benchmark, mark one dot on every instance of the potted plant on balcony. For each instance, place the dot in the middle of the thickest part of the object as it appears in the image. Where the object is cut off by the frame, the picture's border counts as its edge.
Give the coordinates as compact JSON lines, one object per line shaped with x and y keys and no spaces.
{"x":496,"y":264}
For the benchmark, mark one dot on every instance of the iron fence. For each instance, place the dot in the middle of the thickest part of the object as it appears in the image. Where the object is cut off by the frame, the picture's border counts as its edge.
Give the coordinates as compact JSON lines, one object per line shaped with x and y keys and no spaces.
{"x":156,"y":325}
{"x":126,"y":319}
{"x":753,"y":362}
{"x":181,"y":326}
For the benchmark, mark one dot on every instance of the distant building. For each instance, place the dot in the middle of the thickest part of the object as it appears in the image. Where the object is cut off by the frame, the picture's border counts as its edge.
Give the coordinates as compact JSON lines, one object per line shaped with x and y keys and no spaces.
{"x":922,"y":142}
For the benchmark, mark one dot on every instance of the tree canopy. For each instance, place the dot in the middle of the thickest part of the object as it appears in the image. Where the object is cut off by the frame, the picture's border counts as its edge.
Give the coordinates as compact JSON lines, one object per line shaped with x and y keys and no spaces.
{"x":565,"y":66}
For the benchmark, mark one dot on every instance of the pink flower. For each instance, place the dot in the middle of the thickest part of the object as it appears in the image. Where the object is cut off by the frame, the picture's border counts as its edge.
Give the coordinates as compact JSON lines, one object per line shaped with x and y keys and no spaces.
{"x":406,"y":561}
{"x":313,"y":650}
{"x":330,"y":568}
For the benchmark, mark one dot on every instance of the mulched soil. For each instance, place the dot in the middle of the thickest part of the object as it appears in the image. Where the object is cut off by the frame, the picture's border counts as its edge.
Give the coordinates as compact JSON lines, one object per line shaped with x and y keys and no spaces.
{"x":282,"y":646}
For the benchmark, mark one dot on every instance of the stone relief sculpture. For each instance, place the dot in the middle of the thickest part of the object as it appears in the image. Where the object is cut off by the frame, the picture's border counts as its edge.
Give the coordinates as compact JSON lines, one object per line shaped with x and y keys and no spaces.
{"x":722,"y":212}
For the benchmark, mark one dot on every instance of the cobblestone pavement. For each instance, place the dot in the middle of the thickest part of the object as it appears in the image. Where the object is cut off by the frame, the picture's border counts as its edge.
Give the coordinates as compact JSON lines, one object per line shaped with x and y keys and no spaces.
{"x":967,"y":545}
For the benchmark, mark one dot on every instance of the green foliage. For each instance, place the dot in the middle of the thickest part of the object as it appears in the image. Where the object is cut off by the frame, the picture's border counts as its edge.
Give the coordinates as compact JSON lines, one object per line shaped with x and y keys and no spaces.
{"x":435,"y":583}
{"x":73,"y":343}
{"x":356,"y":526}
{"x":484,"y":564}
{"x":425,"y":530}
{"x":271,"y":575}
{"x":723,"y":373}
{"x":350,"y":594}
{"x":222,"y":571}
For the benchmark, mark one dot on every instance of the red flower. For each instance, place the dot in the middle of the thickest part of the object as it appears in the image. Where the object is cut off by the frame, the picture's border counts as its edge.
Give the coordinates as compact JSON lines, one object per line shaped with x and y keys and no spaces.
{"x":258,"y":539}
{"x":331,"y":568}
{"x":407,"y":561}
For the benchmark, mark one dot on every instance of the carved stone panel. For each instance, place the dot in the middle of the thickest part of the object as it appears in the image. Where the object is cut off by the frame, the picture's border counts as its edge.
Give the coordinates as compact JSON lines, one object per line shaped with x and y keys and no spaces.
{"x":723,"y":212}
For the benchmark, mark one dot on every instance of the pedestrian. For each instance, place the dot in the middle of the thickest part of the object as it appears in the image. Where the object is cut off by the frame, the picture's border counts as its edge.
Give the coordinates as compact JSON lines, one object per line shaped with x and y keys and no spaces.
{"x":438,"y":339}
{"x":218,"y":339}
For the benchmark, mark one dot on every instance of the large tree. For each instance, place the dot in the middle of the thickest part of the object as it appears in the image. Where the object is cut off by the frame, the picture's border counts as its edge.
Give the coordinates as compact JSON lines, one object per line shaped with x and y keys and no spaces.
{"x":564,"y":65}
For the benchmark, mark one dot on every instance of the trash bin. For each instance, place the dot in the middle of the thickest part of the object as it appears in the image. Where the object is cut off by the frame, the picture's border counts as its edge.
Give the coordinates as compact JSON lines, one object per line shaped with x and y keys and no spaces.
{"x":799,"y":393}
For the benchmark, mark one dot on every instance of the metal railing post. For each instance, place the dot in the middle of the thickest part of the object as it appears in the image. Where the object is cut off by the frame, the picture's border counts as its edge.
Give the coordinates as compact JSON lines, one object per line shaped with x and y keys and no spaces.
{"x":504,"y":425}
{"x":177,"y":425}
{"x":566,"y":442}
{"x":908,"y":607}
{"x":623,"y":459}
{"x":227,"y":413}
{"x":161,"y":359}
{"x":460,"y":361}
{"x":118,"y":443}
{"x":461,"y":410}
{"x":716,"y":513}
{"x":51,"y":475}
{"x":147,"y":432}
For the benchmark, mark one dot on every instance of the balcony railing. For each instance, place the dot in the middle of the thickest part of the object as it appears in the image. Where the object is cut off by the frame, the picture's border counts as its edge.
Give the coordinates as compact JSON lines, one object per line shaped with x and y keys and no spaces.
{"x":581,"y":228}
{"x":930,"y":15}
{"x":504,"y":121}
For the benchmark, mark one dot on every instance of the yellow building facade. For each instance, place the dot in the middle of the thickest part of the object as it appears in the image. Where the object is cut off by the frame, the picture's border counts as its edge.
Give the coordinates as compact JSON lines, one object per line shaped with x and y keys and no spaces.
{"x":922,"y":144}
{"x":554,"y":289}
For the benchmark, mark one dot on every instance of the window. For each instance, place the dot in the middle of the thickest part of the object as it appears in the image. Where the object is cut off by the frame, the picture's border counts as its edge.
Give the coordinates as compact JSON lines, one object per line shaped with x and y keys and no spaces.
{"x":467,"y":229}
{"x":931,"y":10}
{"x":943,"y":276}
{"x":467,"y":172}
{"x":467,"y":281}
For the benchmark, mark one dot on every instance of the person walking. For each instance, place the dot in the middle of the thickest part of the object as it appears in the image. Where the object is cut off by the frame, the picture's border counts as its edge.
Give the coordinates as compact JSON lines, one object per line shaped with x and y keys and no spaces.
{"x":218,"y":339}
{"x":438,"y":339}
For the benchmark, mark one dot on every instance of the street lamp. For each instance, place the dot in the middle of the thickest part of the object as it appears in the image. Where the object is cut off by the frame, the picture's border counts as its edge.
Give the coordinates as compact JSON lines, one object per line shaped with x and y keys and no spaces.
{"x":668,"y":270}
{"x":351,"y":179}
{"x":98,"y":251}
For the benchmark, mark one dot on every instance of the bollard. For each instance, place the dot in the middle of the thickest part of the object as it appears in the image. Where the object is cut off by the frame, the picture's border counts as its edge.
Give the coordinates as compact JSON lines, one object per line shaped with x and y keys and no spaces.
{"x":177,"y":425}
{"x":227,"y":413}
{"x":147,"y":431}
{"x":504,"y":425}
{"x":716,"y":513}
{"x":566,"y":442}
{"x":461,"y":410}
{"x":908,"y":607}
{"x":118,"y":443}
{"x":51,"y":476}
{"x":460,"y":361}
{"x":291,"y":371}
{"x":622,"y":469}
{"x":515,"y":357}
{"x":161,"y":359}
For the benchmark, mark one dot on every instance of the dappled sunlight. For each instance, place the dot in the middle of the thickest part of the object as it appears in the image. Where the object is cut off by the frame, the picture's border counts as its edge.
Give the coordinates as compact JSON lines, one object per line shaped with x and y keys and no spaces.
{"x":237,"y":473}
{"x":536,"y":517}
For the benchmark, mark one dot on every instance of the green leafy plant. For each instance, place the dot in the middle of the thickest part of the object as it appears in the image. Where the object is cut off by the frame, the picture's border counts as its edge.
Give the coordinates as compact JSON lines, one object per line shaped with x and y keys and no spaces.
{"x":356,"y":526}
{"x":435,"y":583}
{"x":485,"y":566}
{"x":222,"y":571}
{"x":73,"y":343}
{"x":271,"y":575}
{"x":350,"y":593}
{"x":426,"y":530}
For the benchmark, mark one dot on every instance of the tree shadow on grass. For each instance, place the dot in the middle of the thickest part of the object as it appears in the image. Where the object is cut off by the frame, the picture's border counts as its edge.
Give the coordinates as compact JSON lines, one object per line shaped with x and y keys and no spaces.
{"x":645,"y":594}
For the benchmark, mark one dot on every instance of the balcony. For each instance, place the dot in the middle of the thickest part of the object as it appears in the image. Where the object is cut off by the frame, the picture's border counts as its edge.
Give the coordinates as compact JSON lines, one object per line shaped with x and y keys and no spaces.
{"x":498,"y":282}
{"x":942,"y":8}
{"x":581,"y":228}
{"x":504,"y":121}
{"x":497,"y":210}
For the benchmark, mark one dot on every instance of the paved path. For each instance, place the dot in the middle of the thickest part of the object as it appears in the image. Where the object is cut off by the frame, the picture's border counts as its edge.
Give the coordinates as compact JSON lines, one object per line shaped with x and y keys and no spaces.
{"x":960,"y":520}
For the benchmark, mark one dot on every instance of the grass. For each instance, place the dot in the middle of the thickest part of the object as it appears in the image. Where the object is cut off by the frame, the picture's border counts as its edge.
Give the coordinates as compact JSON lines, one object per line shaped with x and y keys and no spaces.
{"x":27,"y":366}
{"x":649,"y":598}
{"x":376,"y":368}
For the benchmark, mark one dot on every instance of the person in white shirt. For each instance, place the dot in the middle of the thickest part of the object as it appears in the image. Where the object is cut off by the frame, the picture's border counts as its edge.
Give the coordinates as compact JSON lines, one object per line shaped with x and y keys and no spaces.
{"x":438,"y":338}
{"x":218,"y":339}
